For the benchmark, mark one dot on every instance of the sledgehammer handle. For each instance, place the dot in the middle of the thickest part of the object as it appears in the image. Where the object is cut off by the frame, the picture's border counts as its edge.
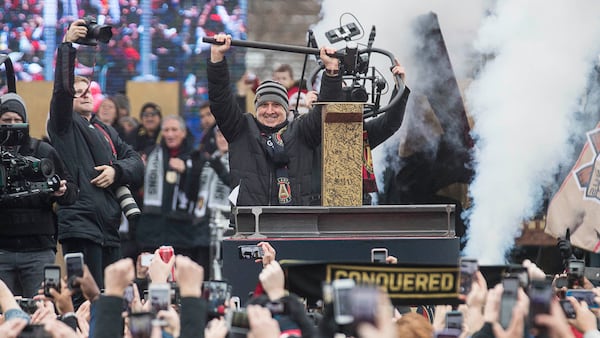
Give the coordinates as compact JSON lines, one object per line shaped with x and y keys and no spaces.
{"x":271,"y":46}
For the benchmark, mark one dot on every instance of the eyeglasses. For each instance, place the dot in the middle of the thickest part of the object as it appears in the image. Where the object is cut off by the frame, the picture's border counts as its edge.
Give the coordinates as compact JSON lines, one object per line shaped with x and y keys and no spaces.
{"x":150,"y":113}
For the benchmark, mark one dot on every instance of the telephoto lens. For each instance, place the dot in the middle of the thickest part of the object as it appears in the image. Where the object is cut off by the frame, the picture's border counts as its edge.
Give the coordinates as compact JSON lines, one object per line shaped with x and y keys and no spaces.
{"x":127,"y":203}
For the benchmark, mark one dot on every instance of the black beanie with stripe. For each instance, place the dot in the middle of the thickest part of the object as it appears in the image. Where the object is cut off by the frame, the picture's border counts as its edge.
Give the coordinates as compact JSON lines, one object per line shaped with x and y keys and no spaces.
{"x":271,"y":91}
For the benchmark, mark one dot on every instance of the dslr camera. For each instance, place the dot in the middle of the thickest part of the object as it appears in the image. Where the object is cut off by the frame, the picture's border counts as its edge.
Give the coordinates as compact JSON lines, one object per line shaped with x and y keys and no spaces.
{"x":95,"y":32}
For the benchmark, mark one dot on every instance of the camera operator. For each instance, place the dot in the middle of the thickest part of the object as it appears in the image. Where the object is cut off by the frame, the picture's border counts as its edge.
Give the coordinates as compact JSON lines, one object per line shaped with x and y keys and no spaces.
{"x":97,"y":156}
{"x":27,"y":235}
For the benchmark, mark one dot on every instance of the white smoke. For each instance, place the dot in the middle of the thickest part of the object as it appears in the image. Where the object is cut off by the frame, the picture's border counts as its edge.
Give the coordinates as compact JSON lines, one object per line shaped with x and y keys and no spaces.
{"x":523,"y":100}
{"x":523,"y":104}
{"x":459,"y":22}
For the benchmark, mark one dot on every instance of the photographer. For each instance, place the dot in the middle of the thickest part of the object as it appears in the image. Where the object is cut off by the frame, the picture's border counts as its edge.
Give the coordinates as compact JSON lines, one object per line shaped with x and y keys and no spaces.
{"x":28,"y":234}
{"x":96,"y":155}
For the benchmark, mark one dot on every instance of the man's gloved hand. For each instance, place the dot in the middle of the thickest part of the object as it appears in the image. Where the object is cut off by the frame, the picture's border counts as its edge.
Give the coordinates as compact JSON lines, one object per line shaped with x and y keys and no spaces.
{"x":564,"y":246}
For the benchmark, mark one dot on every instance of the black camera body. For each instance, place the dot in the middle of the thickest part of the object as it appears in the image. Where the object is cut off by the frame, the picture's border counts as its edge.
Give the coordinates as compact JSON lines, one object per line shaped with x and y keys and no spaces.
{"x":22,"y":175}
{"x":95,"y":32}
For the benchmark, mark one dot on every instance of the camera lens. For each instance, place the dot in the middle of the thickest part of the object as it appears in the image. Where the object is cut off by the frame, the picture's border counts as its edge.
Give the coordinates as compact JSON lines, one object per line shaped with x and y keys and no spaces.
{"x":127,"y":203}
{"x":101,"y":32}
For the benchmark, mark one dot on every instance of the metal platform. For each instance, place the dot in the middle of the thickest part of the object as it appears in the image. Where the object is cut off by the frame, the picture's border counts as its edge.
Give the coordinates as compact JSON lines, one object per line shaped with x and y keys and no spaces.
{"x":436,"y":220}
{"x":415,"y":234}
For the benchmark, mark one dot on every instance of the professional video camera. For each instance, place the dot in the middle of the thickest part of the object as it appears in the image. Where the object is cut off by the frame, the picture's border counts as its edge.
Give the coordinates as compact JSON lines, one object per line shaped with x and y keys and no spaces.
{"x":22,"y":175}
{"x":95,"y":32}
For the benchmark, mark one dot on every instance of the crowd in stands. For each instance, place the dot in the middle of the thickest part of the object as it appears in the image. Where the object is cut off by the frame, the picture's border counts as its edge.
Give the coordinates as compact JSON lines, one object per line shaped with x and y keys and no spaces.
{"x":176,"y":29}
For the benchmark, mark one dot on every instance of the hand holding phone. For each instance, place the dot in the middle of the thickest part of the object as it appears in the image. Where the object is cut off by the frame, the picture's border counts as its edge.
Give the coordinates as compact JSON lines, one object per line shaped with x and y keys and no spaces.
{"x":250,"y":252}
{"x":468,"y":268}
{"x":74,"y":263}
{"x":508,"y":301}
{"x":568,"y":308}
{"x":160,"y":296}
{"x":585,"y":295}
{"x":51,"y":279}
{"x":454,"y":320}
{"x":342,"y":306}
{"x":379,"y":255}
{"x":146,"y":259}
{"x":217,"y":294}
{"x":140,"y":324}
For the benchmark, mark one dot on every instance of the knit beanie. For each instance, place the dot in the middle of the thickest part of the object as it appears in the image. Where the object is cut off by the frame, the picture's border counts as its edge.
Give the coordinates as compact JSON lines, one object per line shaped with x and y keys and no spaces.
{"x":271,"y":91}
{"x":11,"y":102}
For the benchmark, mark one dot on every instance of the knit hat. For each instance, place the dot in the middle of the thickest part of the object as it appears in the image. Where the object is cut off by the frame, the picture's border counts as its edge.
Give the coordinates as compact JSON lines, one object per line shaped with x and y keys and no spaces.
{"x":271,"y":91}
{"x":11,"y":102}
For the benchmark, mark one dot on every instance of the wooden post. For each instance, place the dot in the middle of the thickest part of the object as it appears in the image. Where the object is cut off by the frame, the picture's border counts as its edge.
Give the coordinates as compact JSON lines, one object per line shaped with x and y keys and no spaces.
{"x":341,"y":180}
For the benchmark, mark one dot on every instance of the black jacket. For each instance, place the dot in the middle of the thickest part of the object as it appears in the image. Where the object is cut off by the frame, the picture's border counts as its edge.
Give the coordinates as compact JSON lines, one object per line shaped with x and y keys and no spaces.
{"x":96,"y":215}
{"x":141,"y":141}
{"x":251,"y":168}
{"x":161,"y":225}
{"x":29,"y":222}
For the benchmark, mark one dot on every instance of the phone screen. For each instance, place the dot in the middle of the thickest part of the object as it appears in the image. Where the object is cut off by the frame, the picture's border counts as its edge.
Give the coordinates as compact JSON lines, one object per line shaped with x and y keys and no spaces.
{"x":454,"y":320}
{"x":448,"y":333}
{"x":342,"y":306}
{"x":160,"y":297}
{"x":140,"y":324}
{"x":587,"y":296}
{"x":51,"y":279}
{"x":250,"y":252}
{"x":128,"y":295}
{"x":568,"y":308}
{"x":364,"y":304}
{"x":468,"y":267}
{"x":217,"y":294}
{"x":146,"y":259}
{"x":379,"y":255}
{"x":509,"y":299}
{"x":74,"y":263}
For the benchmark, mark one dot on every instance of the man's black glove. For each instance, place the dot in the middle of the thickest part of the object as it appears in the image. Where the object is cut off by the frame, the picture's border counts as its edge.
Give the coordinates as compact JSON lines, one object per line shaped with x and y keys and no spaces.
{"x":566,"y":251}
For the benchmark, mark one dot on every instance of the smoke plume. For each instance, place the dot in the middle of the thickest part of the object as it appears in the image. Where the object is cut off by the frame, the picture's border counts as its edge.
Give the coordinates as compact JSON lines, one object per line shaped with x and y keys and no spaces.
{"x":523,"y":103}
{"x":537,"y":58}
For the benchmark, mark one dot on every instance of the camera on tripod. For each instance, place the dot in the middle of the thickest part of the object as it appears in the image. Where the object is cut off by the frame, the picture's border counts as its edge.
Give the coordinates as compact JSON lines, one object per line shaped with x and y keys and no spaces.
{"x":22,"y":175}
{"x":95,"y":32}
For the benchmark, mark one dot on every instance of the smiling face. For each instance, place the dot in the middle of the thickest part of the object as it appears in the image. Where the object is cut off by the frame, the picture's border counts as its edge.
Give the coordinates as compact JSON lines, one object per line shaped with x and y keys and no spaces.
{"x":270,"y":114}
{"x":107,"y":112}
{"x":173,"y":133}
{"x":150,"y":119}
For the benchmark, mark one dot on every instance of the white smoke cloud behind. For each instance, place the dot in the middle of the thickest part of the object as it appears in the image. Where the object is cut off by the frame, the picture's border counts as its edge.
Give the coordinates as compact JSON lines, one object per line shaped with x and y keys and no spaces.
{"x":523,"y":104}
{"x":523,"y":99}
{"x":459,"y":23}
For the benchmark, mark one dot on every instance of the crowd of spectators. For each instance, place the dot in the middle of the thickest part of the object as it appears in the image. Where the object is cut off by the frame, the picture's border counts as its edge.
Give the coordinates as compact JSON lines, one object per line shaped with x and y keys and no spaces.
{"x":273,"y":311}
{"x":176,"y":31}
